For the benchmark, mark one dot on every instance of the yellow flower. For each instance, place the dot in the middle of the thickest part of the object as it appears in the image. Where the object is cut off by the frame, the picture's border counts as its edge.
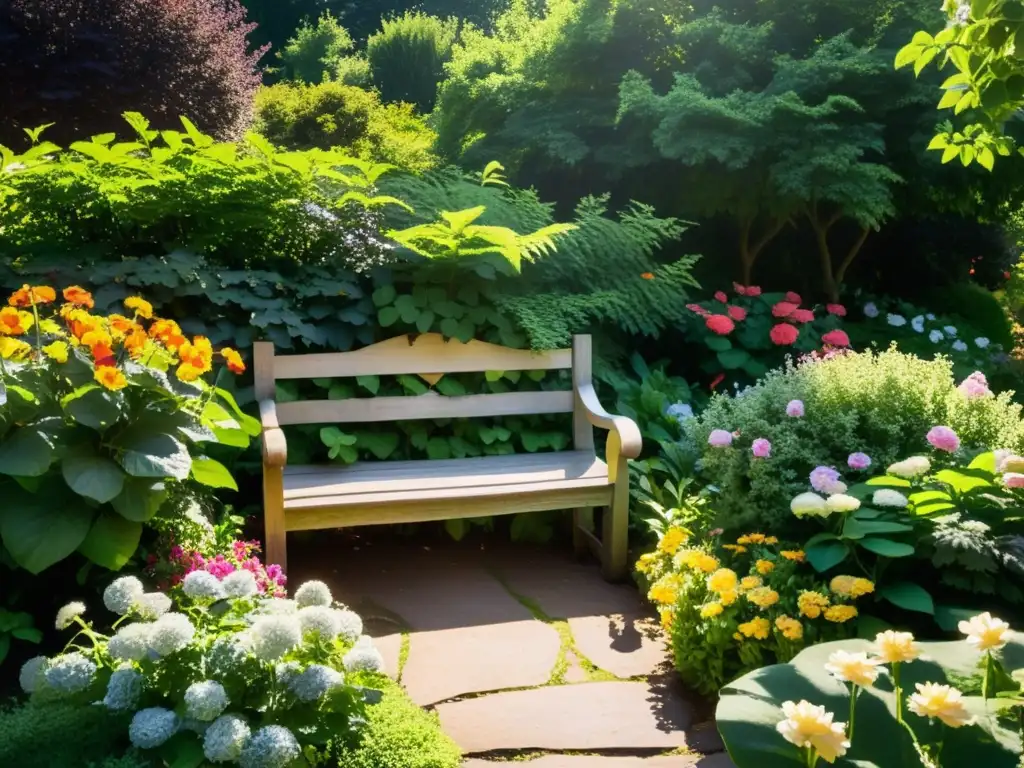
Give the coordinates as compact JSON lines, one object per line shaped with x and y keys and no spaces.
{"x":750,"y":582}
{"x":722,"y":580}
{"x":13,"y":349}
{"x":772,"y":540}
{"x":764,"y":567}
{"x":646,"y":561}
{"x":142,"y":307}
{"x":739,"y":549}
{"x":763,"y":597}
{"x":14,"y":322}
{"x":790,"y":628}
{"x":707,"y":563}
{"x":842,"y":585}
{"x":893,"y":647}
{"x":941,"y":701}
{"x":811,"y":604}
{"x":728,"y":598}
{"x":672,"y":540}
{"x":666,"y":616}
{"x":751,"y":538}
{"x":807,"y":725}
{"x":757,"y":628}
{"x":697,"y":560}
{"x":711,"y":610}
{"x":985,"y":632}
{"x":840,"y":613}
{"x":796,"y":555}
{"x":58,"y":351}
{"x":862,"y":587}
{"x":110,"y":377}
{"x":854,"y":668}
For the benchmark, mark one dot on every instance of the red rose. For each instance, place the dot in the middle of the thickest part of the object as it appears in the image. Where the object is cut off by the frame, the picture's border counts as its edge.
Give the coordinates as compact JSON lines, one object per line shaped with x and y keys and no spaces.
{"x":698,"y":309}
{"x":836,"y":309}
{"x":720,"y":295}
{"x":836,"y":339}
{"x":783,"y":309}
{"x":802,"y":316}
{"x":720,"y":324}
{"x":740,"y":289}
{"x":753,"y":290}
{"x":738,"y":314}
{"x":783,"y":334}
{"x":793,"y":298}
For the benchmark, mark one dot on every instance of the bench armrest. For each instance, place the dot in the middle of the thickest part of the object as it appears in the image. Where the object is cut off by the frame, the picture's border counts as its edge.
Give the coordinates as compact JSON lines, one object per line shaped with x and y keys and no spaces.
{"x":628,"y":432}
{"x":275,"y":446}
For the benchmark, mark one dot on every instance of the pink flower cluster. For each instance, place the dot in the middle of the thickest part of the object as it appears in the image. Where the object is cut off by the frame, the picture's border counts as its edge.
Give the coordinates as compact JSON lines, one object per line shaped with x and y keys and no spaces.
{"x":943,"y":439}
{"x":270,"y":579}
{"x":975,"y":386}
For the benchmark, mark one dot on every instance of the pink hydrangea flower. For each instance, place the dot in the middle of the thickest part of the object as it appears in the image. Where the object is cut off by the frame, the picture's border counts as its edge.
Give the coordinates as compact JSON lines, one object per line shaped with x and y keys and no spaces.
{"x":762,"y":448}
{"x":719,"y":438}
{"x":859,"y":461}
{"x":795,"y":408}
{"x":975,"y":386}
{"x":826,"y":480}
{"x":943,"y":439}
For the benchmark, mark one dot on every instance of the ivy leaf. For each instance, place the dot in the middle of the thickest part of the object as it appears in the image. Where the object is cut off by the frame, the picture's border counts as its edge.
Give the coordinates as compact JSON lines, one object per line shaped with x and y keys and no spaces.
{"x":380,"y":444}
{"x":370,"y":383}
{"x":95,"y":477}
{"x":438,"y":448}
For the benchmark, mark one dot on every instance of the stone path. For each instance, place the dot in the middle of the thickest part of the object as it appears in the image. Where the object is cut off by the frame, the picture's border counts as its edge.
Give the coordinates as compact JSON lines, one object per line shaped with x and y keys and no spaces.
{"x":523,"y":653}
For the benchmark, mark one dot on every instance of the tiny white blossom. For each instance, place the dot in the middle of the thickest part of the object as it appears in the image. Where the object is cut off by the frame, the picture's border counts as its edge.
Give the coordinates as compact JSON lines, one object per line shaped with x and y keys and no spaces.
{"x":959,"y":346}
{"x":202,"y":585}
{"x":123,"y":690}
{"x":895,"y":320}
{"x":936,"y":336}
{"x":981,"y":342}
{"x":918,"y":323}
{"x":272,"y":746}
{"x":32,"y":676}
{"x":171,"y":633}
{"x":313,"y":593}
{"x":240,"y":584}
{"x":225,"y":738}
{"x":206,"y":700}
{"x":152,"y":727}
{"x":121,"y":594}
{"x":274,"y":636}
{"x":350,"y":626}
{"x":870,"y":310}
{"x":363,"y":658}
{"x":153,"y":605}
{"x":131,"y":643}
{"x":322,"y":621}
{"x":67,"y":614}
{"x":70,"y":673}
{"x":949,"y":329}
{"x":314,"y":682}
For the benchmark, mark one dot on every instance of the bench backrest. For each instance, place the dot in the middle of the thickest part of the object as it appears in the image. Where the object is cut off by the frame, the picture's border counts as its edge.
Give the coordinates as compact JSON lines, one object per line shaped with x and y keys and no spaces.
{"x":429,"y":356}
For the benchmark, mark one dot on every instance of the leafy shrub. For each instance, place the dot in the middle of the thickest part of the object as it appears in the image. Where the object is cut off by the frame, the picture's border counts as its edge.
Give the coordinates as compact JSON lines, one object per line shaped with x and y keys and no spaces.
{"x":336,"y":115}
{"x":980,"y":308}
{"x":118,"y":407}
{"x":314,"y":53}
{"x":176,"y":562}
{"x":408,"y":54}
{"x":52,"y":734}
{"x":170,"y":58}
{"x":879,"y":404}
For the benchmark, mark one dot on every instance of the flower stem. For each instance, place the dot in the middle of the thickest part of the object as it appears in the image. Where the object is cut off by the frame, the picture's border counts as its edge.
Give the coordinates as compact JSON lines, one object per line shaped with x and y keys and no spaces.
{"x":853,"y":709}
{"x":899,"y":692}
{"x":986,"y":683}
{"x":812,"y":757}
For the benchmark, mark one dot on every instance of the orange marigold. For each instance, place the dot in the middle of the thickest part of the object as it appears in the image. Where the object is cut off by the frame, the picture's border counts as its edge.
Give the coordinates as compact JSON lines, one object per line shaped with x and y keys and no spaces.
{"x":142,"y":307}
{"x":110,"y":377}
{"x":168,"y":333}
{"x":796,"y":555}
{"x":26,"y":296}
{"x":135,"y":342}
{"x":14,"y":322}
{"x":197,"y":354}
{"x":78,"y":296}
{"x":121,"y":325}
{"x":81,"y":322}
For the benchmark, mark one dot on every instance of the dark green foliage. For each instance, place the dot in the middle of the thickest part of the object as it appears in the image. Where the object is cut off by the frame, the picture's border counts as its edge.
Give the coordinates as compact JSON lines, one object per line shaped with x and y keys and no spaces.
{"x":979,"y":308}
{"x":332,"y":114}
{"x":408,"y":55}
{"x":315,"y":52}
{"x":61,"y":735}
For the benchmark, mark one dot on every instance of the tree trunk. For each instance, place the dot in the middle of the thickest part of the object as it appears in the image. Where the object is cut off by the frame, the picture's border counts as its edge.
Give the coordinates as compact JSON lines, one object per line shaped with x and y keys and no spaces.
{"x":750,"y":251}
{"x":828,"y":279}
{"x":851,"y":254}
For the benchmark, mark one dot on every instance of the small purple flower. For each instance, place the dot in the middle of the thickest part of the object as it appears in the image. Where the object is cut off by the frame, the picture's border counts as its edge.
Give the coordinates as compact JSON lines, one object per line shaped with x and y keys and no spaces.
{"x":826,"y":480}
{"x":859,"y":461}
{"x":795,"y":408}
{"x":719,"y":438}
{"x":943,"y":439}
{"x":762,"y":448}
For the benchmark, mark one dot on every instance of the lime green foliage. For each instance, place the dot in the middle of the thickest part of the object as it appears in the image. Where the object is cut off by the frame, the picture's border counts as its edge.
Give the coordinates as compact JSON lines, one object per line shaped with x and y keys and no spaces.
{"x":751,"y":708}
{"x":332,"y":114}
{"x":408,"y":54}
{"x":880,"y":404}
{"x":401,"y":735}
{"x":314,"y":54}
{"x":61,"y":735}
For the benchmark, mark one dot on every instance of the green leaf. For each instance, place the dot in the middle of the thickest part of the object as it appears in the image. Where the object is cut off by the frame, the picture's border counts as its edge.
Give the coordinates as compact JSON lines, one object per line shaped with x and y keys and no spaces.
{"x":212,"y":474}
{"x":960,"y":57}
{"x":438,"y":448}
{"x":388,"y":316}
{"x":425,"y":321}
{"x":985,"y":462}
{"x":718,"y":343}
{"x":380,"y":444}
{"x":95,"y":477}
{"x":952,"y":151}
{"x":949,"y":99}
{"x":39,"y":531}
{"x":92,"y":406}
{"x":948,"y":617}
{"x":733,"y":358}
{"x":909,"y":596}
{"x":963,"y":481}
{"x":147,"y":454}
{"x":140,"y":500}
{"x":27,"y":452}
{"x":493,"y":375}
{"x":384,"y":295}
{"x":183,"y":750}
{"x":855,"y":528}
{"x":112,"y":541}
{"x":370,"y":383}
{"x":457,"y":528}
{"x":334,"y":436}
{"x":986,"y":159}
{"x":907,"y":55}
{"x":887,"y":547}
{"x":28,"y":634}
{"x":931,"y":502}
{"x":924,"y":59}
{"x":826,"y":555}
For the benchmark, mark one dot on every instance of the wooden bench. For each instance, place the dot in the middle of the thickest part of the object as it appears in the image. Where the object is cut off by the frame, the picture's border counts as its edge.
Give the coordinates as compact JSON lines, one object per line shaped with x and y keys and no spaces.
{"x":298,"y":498}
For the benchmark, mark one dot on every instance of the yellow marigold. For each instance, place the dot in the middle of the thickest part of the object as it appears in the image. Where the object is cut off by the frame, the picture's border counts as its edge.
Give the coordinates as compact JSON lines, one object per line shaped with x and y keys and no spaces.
{"x":729,"y":597}
{"x":790,"y":628}
{"x":196,"y":354}
{"x":110,"y":377}
{"x":722,"y":580}
{"x":14,"y":322}
{"x":751,"y":538}
{"x":168,"y":333}
{"x":771,"y":540}
{"x":58,"y":351}
{"x":666,"y":615}
{"x":796,"y":555}
{"x":750,"y":582}
{"x":665,"y":591}
{"x":711,"y":610}
{"x":672,"y":540}
{"x":757,"y":628}
{"x":842,"y":585}
{"x":141,"y":307}
{"x":739,"y":549}
{"x":862,"y":587}
{"x":81,"y":322}
{"x":697,"y":560}
{"x":764,"y":567}
{"x":840,"y":613}
{"x":646,"y":561}
{"x":120,"y":326}
{"x":235,"y":363}
{"x":763,"y":597}
{"x":707,"y":563}
{"x":13,"y":349}
{"x":811,"y":604}
{"x":737,"y":636}
{"x":135,"y":342}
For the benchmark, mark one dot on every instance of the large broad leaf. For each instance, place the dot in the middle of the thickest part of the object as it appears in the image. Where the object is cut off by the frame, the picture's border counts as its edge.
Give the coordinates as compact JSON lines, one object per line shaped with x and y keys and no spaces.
{"x":826,"y":555}
{"x":855,"y":528}
{"x":93,"y":406}
{"x":733,"y":358}
{"x":26,"y":452}
{"x":718,"y":343}
{"x":148,"y":454}
{"x":112,"y":541}
{"x":380,"y":444}
{"x":40,"y":530}
{"x":212,"y":473}
{"x":908,"y":596}
{"x":140,"y":500}
{"x":931,"y":502}
{"x":965,"y":480}
{"x":95,"y":477}
{"x":886,"y":547}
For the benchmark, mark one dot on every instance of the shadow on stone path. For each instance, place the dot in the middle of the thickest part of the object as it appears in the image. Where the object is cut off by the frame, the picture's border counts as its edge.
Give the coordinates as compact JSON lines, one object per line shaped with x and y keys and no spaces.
{"x":520,"y":650}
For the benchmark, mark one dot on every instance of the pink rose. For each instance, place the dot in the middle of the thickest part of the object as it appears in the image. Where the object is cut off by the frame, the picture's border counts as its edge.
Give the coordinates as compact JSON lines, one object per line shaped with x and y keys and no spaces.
{"x":943,"y":439}
{"x":761,"y":448}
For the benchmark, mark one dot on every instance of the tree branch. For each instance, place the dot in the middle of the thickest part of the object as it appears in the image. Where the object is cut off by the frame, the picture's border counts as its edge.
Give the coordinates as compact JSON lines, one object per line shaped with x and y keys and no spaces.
{"x":851,"y":255}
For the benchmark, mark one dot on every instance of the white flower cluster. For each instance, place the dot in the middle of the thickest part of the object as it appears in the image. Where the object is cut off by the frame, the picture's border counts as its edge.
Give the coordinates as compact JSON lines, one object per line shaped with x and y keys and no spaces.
{"x":152,"y":727}
{"x":313,"y":593}
{"x":121,"y":594}
{"x":272,"y":746}
{"x":935,"y":335}
{"x":314,"y":682}
{"x":202,"y":585}
{"x":274,"y":636}
{"x":153,"y":605}
{"x":350,"y":625}
{"x":70,"y":673}
{"x":206,"y":701}
{"x":225,"y":738}
{"x":130,"y":643}
{"x":170,"y":633}
{"x":67,"y":615}
{"x":364,"y":657}
{"x":323,"y":622}
{"x":123,"y":690}
{"x":239,"y":584}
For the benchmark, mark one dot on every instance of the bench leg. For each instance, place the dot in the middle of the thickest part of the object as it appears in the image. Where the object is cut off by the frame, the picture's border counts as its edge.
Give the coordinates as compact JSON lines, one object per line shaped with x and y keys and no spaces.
{"x":615,"y":529}
{"x":273,"y":517}
{"x":582,"y":520}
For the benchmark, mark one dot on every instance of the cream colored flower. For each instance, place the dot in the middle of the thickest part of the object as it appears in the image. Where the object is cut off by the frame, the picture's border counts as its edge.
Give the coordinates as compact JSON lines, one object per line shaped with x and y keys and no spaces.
{"x":892,"y":647}
{"x":910,"y":468}
{"x":840,"y":502}
{"x":807,"y":725}
{"x":808,"y":504}
{"x":854,"y":668}
{"x":941,"y":701}
{"x":985,"y":632}
{"x":887,"y":497}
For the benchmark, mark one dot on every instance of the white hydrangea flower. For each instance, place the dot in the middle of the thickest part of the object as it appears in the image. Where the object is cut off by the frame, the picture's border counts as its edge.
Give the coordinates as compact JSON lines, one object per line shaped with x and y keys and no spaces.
{"x":152,"y":727}
{"x":320,"y":620}
{"x":314,"y":682}
{"x":131,"y":643}
{"x":123,"y":690}
{"x":225,"y":738}
{"x":287,"y":671}
{"x":121,"y":594}
{"x":32,"y":676}
{"x":205,"y":701}
{"x":202,"y":585}
{"x":170,"y":633}
{"x":918,"y":323}
{"x":240,"y":584}
{"x":910,"y":468}
{"x":67,"y":614}
{"x":153,"y":605}
{"x":949,"y":329}
{"x":959,"y":346}
{"x":363,"y":658}
{"x":936,"y":336}
{"x":887,"y":497}
{"x":313,"y":593}
{"x":870,"y":310}
{"x":680,"y":412}
{"x":274,"y":636}
{"x":895,"y":320}
{"x":70,"y":673}
{"x":981,"y":342}
{"x":840,"y":502}
{"x":276,"y":606}
{"x":226,"y":654}
{"x":272,"y":746}
{"x":350,"y":626}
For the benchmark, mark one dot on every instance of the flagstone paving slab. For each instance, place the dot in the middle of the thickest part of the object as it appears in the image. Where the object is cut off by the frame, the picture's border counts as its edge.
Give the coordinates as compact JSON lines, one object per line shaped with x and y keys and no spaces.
{"x":390,"y":647}
{"x":625,"y":645}
{"x":587,"y":716}
{"x":720,"y":760}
